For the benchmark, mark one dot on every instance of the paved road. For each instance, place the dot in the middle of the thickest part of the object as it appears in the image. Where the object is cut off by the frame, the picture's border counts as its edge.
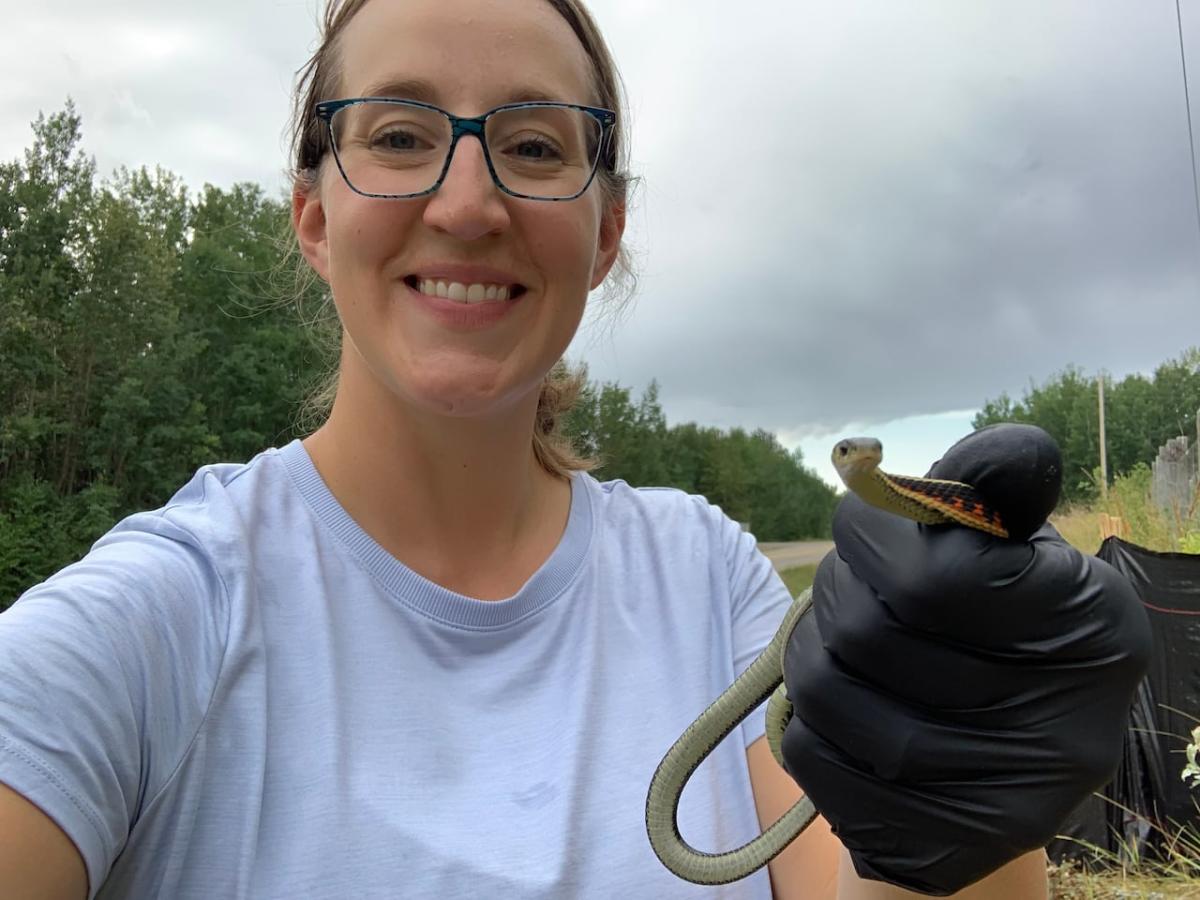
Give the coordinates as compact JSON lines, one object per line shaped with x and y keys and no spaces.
{"x":796,"y":553}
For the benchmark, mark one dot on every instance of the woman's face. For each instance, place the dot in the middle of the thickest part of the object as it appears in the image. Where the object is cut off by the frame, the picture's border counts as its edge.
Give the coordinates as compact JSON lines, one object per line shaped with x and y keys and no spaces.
{"x":430,"y":353}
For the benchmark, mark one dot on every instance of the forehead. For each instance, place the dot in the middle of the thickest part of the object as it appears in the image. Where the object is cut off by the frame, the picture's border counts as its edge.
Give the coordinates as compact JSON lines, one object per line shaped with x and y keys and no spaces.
{"x":472,"y":54}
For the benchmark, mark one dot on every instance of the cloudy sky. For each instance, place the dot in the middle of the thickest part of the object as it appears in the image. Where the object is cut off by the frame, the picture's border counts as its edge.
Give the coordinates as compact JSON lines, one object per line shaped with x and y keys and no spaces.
{"x":855,"y":217}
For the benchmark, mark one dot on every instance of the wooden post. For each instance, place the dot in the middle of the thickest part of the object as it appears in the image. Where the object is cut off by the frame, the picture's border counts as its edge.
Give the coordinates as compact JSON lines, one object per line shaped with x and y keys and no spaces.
{"x":1103,"y":448}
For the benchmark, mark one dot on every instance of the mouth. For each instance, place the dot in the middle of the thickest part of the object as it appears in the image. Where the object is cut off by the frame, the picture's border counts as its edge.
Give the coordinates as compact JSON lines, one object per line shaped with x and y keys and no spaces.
{"x":467,"y":294}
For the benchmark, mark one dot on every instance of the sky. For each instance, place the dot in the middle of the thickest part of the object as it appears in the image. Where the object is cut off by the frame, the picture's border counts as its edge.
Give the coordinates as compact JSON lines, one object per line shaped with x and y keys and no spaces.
{"x":853,"y":218}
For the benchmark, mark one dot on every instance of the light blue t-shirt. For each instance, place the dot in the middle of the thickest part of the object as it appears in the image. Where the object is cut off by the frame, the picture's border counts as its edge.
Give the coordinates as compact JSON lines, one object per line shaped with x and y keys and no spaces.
{"x":243,"y":695}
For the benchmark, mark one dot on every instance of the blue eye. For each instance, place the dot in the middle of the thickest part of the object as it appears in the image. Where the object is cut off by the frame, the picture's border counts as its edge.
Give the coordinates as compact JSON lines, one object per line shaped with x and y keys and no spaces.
{"x":541,"y":148}
{"x":395,"y":140}
{"x":534,"y":149}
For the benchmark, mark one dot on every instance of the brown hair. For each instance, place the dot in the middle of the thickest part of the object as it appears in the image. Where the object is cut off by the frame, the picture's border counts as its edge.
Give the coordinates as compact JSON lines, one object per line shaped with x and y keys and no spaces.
{"x":319,"y":80}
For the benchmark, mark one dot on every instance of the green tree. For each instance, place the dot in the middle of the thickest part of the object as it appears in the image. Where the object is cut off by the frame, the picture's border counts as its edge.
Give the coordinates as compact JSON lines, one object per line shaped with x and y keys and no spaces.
{"x":138,"y":341}
{"x":1141,"y":414}
{"x":44,"y":230}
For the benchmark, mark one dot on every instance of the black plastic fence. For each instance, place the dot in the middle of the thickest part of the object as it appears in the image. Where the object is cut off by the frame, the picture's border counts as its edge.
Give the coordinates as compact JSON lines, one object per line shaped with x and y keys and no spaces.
{"x":1147,"y":799}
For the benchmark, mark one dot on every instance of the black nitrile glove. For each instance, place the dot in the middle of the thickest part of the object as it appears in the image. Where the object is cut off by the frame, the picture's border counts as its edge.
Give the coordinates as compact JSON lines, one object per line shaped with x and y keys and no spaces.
{"x":957,"y":695}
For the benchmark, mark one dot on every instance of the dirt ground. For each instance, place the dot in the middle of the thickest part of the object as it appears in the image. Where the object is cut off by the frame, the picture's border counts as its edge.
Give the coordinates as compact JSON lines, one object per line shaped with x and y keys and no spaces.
{"x":795,"y":553}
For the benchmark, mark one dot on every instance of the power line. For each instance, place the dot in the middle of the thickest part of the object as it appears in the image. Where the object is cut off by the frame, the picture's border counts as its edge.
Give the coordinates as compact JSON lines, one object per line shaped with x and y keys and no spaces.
{"x":1188,"y":101}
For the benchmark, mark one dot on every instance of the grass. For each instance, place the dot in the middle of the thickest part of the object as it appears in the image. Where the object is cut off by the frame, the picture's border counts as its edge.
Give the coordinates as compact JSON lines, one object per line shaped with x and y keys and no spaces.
{"x":798,"y":578}
{"x":1174,"y":873}
{"x":1073,"y":883}
{"x":1145,"y":524}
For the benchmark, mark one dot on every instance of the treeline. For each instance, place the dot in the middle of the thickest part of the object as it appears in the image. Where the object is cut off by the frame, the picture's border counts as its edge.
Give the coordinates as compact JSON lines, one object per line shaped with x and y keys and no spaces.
{"x":145,"y":332}
{"x":1141,"y":414}
{"x":750,"y":475}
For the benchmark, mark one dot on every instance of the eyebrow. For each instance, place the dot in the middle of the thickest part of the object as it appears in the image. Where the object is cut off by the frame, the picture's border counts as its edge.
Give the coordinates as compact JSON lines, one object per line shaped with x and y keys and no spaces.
{"x":425,"y":92}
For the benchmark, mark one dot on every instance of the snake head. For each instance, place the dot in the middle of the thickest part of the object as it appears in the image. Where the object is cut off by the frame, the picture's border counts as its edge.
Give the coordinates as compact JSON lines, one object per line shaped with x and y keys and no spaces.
{"x":856,"y":456}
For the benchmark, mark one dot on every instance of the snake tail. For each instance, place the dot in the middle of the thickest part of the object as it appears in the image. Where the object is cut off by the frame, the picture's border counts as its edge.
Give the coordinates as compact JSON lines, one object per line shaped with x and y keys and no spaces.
{"x":762,"y":679}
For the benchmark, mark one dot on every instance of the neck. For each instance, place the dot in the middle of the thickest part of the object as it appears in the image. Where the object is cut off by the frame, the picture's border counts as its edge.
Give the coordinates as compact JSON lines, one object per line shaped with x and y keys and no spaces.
{"x":462,"y":501}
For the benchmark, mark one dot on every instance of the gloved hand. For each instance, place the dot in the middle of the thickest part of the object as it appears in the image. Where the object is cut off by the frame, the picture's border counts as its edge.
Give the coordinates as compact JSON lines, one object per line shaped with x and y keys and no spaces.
{"x":957,"y":695}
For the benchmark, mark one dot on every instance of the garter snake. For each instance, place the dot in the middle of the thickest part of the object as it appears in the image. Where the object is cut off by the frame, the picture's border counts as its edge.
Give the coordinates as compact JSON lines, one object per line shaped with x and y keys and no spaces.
{"x":927,"y":500}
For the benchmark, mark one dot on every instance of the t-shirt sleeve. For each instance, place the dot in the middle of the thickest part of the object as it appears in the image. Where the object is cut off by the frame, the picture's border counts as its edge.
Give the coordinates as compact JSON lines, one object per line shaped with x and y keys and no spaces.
{"x":106,"y":671}
{"x":758,"y":601}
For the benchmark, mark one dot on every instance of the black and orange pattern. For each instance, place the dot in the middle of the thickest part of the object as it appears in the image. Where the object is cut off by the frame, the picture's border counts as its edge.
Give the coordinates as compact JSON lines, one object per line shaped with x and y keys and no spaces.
{"x":954,"y":500}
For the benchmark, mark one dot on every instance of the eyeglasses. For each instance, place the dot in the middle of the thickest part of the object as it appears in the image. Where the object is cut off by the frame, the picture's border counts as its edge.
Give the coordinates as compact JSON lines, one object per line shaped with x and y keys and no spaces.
{"x":398,"y":149}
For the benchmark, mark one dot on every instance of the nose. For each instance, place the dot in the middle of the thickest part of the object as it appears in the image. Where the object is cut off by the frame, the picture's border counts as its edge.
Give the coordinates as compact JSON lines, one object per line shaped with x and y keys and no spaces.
{"x":468,"y":204}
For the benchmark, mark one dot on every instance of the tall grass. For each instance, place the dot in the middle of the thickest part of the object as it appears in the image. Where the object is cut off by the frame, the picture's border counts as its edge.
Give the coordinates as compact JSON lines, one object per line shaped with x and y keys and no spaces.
{"x":1146,"y":525}
{"x":1174,"y":872}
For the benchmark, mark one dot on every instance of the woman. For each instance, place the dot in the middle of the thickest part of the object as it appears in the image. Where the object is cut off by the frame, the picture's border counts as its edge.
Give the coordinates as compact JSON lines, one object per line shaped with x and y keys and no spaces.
{"x":418,"y":653}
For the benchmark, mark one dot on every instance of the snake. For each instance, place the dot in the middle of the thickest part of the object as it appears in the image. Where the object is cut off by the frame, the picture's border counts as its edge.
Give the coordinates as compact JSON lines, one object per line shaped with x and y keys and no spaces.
{"x":930,"y":501}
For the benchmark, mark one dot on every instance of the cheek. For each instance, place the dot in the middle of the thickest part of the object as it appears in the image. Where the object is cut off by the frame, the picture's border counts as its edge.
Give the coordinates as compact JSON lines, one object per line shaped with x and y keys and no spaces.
{"x":570,"y":242}
{"x":364,"y":235}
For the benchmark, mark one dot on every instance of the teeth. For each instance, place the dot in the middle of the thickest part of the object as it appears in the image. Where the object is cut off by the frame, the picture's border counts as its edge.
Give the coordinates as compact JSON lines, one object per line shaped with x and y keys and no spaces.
{"x":463,"y":293}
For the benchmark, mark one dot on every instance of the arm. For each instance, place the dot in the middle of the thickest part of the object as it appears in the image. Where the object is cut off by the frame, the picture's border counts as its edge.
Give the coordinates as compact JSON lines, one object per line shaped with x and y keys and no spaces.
{"x":808,"y":868}
{"x":106,"y":671}
{"x":816,"y":867}
{"x":37,"y":859}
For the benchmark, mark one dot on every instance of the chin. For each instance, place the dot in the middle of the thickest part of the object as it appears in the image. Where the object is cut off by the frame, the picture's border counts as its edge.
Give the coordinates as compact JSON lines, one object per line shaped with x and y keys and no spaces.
{"x":463,"y":399}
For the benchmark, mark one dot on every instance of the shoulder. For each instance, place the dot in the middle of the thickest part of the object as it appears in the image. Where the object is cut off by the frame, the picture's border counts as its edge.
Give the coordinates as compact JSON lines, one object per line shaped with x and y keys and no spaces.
{"x":164,"y":569}
{"x":621,"y":502}
{"x":671,"y":525}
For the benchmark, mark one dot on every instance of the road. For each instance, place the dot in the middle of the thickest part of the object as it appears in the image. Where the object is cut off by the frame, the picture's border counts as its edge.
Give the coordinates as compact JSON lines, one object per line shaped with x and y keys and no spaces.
{"x":795,"y":553}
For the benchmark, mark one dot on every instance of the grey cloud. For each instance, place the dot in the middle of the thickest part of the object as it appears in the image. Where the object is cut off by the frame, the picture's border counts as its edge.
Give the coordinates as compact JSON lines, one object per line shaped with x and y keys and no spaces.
{"x":851,"y":212}
{"x":1034,"y":210}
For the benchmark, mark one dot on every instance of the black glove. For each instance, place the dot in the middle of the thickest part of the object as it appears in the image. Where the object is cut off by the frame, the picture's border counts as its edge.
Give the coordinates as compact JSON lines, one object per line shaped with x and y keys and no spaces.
{"x":957,"y":695}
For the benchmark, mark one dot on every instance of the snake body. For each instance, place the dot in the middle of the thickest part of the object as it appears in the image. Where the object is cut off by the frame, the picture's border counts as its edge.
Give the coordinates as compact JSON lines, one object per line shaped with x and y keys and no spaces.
{"x":927,"y":500}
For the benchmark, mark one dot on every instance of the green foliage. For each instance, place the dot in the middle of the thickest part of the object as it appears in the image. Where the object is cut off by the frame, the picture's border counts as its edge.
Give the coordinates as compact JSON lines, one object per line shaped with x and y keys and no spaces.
{"x":1129,"y":500}
{"x":134,"y":344}
{"x":1141,"y":414}
{"x":749,"y":475}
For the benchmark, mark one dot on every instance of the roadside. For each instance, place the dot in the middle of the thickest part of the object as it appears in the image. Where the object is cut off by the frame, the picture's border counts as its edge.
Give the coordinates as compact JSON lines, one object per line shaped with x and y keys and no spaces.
{"x":795,"y":553}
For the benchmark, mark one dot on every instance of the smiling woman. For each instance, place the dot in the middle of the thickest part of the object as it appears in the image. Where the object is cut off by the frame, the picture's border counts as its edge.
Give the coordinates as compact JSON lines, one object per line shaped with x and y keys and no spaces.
{"x":312,"y":144}
{"x":421,"y":652}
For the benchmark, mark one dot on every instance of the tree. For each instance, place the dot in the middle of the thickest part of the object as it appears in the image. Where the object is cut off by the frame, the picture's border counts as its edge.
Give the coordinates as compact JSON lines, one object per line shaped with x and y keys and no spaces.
{"x":1141,"y":414}
{"x":137,"y":343}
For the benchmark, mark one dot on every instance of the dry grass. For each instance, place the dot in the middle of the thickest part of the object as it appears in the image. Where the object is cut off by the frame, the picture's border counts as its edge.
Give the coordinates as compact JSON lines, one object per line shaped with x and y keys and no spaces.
{"x":1145,"y":524}
{"x":1080,"y":526}
{"x":1072,"y":883}
{"x":1173,"y":874}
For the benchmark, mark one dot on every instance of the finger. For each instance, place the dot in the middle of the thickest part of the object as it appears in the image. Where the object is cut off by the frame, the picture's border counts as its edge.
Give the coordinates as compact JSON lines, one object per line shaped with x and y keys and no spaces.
{"x":867,"y":639}
{"x":953,"y":580}
{"x":898,"y":739}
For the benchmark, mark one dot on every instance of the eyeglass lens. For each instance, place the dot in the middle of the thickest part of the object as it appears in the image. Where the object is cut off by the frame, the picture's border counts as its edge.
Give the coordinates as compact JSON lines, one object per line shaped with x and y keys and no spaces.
{"x":394,"y":149}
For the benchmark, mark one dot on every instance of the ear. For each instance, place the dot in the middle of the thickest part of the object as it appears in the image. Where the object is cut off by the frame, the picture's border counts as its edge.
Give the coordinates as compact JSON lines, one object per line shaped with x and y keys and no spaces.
{"x":612,"y":227}
{"x":308,"y":219}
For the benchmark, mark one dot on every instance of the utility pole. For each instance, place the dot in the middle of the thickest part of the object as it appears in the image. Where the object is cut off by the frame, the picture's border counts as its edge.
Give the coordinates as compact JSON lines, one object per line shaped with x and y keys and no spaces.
{"x":1103,"y":450}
